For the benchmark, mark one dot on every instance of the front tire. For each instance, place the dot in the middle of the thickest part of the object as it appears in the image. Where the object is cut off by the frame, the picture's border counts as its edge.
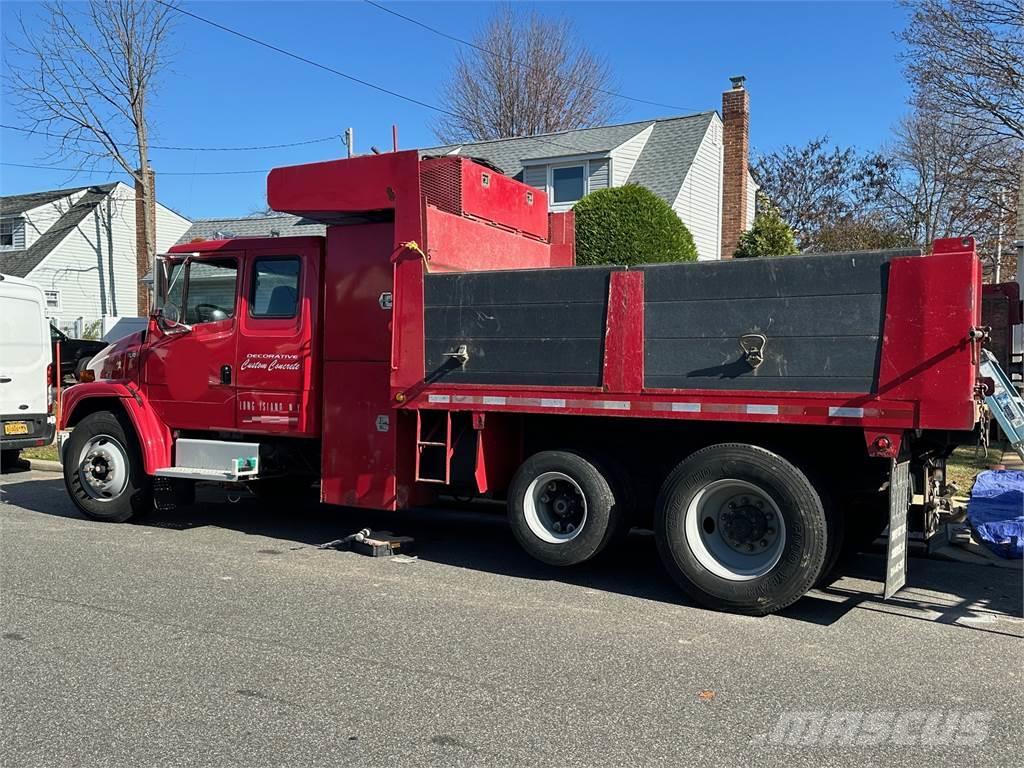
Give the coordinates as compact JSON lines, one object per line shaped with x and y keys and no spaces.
{"x":103,"y":469}
{"x":741,"y":529}
{"x":562,"y":508}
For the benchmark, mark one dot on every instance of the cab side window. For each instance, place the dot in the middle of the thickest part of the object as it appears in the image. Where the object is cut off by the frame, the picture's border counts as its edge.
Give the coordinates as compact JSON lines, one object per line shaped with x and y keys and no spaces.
{"x":211,"y":291}
{"x":275,"y":287}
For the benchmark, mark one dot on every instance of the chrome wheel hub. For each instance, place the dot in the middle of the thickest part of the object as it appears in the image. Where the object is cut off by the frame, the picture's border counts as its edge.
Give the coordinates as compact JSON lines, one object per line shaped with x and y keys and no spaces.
{"x":103,"y":468}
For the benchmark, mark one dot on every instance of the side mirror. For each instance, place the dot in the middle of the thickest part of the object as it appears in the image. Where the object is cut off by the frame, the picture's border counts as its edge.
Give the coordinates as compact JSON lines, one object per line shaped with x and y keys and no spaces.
{"x":168,"y":318}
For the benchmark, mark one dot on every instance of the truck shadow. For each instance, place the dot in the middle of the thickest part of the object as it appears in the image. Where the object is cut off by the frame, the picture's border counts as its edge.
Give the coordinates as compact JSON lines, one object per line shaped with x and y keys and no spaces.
{"x":967,"y":596}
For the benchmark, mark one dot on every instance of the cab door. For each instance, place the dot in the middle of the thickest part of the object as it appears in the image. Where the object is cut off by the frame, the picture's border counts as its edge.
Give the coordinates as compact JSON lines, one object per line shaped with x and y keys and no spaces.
{"x":188,"y":374}
{"x":277,"y":360}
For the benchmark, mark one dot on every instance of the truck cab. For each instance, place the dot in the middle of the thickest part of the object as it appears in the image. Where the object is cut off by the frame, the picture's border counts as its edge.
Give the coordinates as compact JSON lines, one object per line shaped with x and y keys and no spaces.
{"x":230,"y":347}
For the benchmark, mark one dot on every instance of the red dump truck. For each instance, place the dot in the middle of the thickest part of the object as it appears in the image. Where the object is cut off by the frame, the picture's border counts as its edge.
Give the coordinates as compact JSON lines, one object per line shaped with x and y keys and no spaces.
{"x":758,"y":414}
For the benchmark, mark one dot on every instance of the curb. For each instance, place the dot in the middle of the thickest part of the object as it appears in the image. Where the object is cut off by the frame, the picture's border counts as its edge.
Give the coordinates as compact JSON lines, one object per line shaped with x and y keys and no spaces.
{"x":43,"y":465}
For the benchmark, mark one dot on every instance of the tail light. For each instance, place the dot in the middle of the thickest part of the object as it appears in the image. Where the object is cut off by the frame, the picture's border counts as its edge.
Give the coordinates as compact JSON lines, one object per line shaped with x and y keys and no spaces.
{"x":51,"y":389}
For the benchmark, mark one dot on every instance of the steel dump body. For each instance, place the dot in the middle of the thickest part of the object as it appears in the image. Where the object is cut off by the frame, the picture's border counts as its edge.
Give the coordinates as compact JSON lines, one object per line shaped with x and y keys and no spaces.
{"x":878,"y":341}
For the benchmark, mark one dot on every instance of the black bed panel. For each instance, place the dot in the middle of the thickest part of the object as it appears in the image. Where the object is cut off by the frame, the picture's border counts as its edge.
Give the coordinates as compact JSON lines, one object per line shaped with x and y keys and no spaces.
{"x":542,"y":327}
{"x":822,"y":317}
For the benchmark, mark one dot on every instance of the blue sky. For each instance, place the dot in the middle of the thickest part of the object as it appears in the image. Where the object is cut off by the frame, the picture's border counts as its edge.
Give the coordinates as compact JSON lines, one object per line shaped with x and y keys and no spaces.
{"x":812,"y":68}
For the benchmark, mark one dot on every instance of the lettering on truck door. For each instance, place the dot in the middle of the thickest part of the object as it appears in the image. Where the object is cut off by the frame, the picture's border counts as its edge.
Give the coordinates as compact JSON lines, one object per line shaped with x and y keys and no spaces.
{"x":276,"y":355}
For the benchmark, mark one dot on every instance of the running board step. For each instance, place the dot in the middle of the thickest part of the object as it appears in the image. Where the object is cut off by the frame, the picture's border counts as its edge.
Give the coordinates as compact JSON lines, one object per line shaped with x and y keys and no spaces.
{"x":218,"y":460}
{"x":197,"y":473}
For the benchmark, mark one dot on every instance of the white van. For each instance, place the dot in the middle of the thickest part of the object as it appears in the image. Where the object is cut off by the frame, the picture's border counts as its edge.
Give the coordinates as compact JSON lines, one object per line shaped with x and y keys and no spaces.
{"x":26,"y":395}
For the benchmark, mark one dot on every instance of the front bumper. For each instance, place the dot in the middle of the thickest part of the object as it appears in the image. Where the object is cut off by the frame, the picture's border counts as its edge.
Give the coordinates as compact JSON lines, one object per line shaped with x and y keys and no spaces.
{"x":40,"y":431}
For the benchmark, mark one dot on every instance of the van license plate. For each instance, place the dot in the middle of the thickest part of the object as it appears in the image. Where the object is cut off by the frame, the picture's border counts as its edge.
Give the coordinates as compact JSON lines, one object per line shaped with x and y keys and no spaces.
{"x":16,"y":428}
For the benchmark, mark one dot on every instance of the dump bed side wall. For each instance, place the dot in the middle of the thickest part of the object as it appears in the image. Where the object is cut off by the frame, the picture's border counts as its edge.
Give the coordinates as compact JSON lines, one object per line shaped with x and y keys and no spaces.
{"x":525,"y":327}
{"x":822,"y":317}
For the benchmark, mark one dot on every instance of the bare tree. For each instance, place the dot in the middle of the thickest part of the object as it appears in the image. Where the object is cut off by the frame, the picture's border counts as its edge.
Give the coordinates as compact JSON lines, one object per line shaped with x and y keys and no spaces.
{"x":966,"y":60}
{"x":817,"y":185}
{"x":949,"y":180}
{"x":88,"y":73}
{"x":525,"y":76}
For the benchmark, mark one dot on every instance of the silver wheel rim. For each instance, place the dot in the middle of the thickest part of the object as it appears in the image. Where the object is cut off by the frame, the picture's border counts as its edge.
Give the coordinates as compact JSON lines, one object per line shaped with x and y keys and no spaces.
{"x":735,"y":530}
{"x":103,"y":468}
{"x":555,"y":508}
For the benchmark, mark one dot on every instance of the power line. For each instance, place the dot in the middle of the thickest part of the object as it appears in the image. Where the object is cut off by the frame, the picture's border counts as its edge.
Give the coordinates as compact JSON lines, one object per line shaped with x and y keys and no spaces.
{"x":180,"y":149}
{"x":303,"y":59}
{"x":124,"y":173}
{"x":518,"y":63}
{"x":360,"y":81}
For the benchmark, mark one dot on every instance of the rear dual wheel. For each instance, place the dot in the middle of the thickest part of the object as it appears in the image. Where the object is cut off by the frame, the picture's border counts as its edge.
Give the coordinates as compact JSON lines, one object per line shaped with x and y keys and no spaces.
{"x":740,"y":528}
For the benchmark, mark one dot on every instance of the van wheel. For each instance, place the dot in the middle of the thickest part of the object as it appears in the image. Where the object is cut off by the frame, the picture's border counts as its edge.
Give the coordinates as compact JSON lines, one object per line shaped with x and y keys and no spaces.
{"x":562,"y":508}
{"x":741,"y":529}
{"x":103,"y":469}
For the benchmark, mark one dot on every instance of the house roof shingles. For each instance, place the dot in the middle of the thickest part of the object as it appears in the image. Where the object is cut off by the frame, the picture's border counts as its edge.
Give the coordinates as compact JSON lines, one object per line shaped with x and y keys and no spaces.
{"x":19,"y":263}
{"x":661,"y":166}
{"x":283,"y":224}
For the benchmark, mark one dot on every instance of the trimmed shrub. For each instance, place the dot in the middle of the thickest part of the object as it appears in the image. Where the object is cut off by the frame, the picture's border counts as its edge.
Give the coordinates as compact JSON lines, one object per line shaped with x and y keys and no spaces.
{"x":630,"y":225}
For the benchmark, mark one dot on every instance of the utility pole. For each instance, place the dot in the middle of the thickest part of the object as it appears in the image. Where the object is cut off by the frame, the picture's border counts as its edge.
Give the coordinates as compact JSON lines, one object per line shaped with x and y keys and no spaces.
{"x":350,"y":141}
{"x":997,"y":272}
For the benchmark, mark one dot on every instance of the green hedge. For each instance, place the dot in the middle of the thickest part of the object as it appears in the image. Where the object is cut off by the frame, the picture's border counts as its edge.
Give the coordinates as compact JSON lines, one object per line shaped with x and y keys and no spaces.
{"x":630,"y":225}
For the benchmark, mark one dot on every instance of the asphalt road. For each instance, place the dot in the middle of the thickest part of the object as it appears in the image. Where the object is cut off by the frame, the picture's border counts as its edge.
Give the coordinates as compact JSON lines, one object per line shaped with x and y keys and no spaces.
{"x":221,"y":636}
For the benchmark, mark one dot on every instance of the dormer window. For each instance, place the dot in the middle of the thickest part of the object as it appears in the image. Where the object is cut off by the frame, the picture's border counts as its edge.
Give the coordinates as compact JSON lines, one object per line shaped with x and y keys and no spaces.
{"x":12,"y":234}
{"x":568,"y":183}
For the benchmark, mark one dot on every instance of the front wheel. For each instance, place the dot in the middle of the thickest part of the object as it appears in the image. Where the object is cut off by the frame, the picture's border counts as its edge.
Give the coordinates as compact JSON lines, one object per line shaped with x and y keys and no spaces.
{"x":741,"y":529}
{"x":563,"y":508}
{"x":103,"y":469}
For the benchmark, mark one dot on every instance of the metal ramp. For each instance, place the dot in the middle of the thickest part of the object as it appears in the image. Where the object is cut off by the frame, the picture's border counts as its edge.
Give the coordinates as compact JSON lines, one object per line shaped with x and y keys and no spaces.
{"x":1004,"y":402}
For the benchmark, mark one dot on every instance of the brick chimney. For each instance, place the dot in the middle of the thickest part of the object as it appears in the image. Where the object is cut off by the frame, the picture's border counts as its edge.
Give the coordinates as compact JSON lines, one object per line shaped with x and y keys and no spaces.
{"x":735,"y":164}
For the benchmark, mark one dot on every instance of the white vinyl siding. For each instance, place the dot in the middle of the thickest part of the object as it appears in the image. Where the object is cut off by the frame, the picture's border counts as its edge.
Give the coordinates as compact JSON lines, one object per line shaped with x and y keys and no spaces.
{"x":699,"y":202}
{"x":39,"y":220}
{"x":94,"y":268}
{"x":598,"y":175}
{"x":624,"y":156}
{"x":751,"y":201}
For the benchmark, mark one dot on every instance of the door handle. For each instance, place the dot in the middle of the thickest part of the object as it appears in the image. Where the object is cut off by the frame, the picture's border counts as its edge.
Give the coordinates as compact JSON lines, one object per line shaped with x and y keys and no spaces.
{"x":5,"y":379}
{"x":225,"y":374}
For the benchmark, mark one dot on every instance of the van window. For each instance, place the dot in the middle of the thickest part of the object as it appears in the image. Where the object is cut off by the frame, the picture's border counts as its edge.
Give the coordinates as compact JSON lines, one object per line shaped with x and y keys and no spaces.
{"x":211,"y":291}
{"x":275,"y":287}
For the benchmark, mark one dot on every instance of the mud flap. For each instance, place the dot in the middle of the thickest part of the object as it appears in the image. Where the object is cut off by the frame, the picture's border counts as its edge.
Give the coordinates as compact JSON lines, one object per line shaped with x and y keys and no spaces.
{"x":899,"y":503}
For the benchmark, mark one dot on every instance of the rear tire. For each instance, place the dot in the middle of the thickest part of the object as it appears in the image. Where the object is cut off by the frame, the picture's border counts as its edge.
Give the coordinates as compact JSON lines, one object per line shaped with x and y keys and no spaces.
{"x":103,"y":469}
{"x":741,"y":529}
{"x":562,"y":508}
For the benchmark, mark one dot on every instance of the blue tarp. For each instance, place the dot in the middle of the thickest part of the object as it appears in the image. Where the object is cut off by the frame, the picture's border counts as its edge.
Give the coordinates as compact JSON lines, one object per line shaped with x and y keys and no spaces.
{"x":996,"y":511}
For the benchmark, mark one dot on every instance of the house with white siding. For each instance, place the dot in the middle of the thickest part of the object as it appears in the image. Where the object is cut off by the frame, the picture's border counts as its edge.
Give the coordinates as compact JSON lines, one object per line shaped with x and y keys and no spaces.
{"x":686,"y":161}
{"x":78,"y":245}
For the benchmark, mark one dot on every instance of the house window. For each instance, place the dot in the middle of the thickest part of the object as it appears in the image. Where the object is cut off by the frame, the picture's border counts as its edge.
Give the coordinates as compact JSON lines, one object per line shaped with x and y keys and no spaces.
{"x":52,"y":300}
{"x":275,"y":287}
{"x":568,"y":184}
{"x":12,"y":234}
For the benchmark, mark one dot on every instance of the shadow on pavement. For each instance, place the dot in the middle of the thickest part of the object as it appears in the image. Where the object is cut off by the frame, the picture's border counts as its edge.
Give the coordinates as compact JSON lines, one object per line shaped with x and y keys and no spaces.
{"x":480,"y":539}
